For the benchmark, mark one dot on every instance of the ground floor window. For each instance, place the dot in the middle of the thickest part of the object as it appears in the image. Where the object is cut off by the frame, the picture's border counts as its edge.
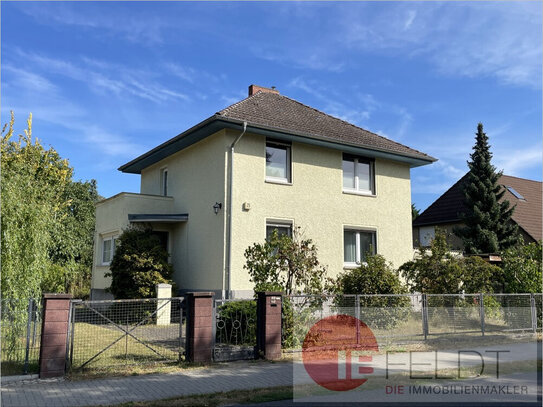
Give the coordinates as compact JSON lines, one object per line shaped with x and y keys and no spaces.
{"x":357,"y":244}
{"x":108,"y":249}
{"x":283,"y":228}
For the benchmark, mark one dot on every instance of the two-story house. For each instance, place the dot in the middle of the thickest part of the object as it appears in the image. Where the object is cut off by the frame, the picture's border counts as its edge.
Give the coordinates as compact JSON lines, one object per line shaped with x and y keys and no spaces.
{"x":265,"y":162}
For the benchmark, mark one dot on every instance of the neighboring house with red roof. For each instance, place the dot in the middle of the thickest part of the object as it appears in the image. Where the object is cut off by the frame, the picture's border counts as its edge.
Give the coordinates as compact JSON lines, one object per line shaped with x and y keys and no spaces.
{"x":267,"y":162}
{"x":443,"y":213}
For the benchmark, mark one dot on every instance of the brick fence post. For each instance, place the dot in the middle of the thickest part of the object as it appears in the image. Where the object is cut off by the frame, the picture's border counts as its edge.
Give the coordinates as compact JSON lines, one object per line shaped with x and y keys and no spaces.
{"x":54,"y":334}
{"x":200,"y":339}
{"x":268,"y":332}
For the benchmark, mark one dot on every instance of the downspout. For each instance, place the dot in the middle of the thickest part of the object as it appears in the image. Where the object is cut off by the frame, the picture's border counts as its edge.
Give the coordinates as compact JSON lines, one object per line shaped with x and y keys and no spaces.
{"x":227,"y":274}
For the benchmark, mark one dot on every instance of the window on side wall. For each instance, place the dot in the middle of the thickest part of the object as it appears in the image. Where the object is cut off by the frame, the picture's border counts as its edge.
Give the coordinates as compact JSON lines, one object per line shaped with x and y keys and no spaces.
{"x":358,"y":174}
{"x":278,"y":161}
{"x":282,"y":229}
{"x":164,"y":182}
{"x":108,"y":250}
{"x":356,"y":246}
{"x":426,"y":235}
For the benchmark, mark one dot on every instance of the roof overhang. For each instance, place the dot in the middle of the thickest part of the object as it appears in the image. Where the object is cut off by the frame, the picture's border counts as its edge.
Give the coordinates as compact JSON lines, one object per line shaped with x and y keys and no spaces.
{"x":158,"y":218}
{"x":436,"y":222}
{"x":216,"y":123}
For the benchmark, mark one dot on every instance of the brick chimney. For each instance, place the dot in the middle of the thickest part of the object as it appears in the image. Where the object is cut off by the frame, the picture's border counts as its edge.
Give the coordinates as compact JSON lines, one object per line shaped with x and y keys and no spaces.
{"x":255,"y":88}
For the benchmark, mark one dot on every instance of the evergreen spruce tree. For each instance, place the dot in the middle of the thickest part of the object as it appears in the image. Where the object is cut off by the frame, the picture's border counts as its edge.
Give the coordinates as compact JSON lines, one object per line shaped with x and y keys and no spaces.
{"x":488,"y":226}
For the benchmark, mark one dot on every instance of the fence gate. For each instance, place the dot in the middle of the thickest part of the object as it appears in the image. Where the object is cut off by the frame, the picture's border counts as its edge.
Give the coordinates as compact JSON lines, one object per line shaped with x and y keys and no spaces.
{"x":235,"y":329}
{"x":126,"y":332}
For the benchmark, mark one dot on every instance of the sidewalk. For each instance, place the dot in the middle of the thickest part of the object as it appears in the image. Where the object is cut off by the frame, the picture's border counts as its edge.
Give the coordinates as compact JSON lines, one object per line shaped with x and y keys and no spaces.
{"x":217,"y":378}
{"x":107,"y":391}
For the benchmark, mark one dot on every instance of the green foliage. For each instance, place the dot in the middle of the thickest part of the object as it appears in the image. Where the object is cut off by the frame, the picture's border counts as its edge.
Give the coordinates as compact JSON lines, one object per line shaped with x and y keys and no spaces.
{"x":47,"y":220}
{"x":140,"y":262}
{"x":522,"y":267}
{"x":488,"y":226}
{"x":285,"y":263}
{"x":376,"y":276}
{"x":237,"y":323}
{"x":414,"y":212}
{"x":437,"y":271}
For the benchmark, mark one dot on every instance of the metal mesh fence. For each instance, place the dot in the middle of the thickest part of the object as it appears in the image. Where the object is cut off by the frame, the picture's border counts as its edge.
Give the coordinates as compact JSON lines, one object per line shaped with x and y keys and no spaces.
{"x":20,"y":330}
{"x":413,"y":316}
{"x":235,"y":329}
{"x":126,"y":332}
{"x":538,"y":305}
{"x":450,"y":314}
{"x":504,"y":312}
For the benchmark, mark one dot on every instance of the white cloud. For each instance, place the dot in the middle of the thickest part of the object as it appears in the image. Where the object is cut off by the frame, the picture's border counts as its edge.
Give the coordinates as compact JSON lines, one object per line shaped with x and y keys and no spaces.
{"x":469,"y":39}
{"x":514,"y":161}
{"x":102,"y":76}
{"x":411,"y":14}
{"x":28,"y":92}
{"x":29,"y":80}
{"x":104,"y":22}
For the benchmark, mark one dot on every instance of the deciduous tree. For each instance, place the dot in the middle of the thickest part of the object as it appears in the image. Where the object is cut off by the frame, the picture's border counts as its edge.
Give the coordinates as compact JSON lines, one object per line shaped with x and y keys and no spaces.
{"x":285,"y":263}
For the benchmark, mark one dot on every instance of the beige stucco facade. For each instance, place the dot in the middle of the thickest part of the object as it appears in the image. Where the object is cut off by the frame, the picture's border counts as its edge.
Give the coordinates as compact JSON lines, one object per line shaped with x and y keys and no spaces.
{"x":196,"y":180}
{"x":315,"y":201}
{"x":112,"y":218}
{"x":198,"y":177}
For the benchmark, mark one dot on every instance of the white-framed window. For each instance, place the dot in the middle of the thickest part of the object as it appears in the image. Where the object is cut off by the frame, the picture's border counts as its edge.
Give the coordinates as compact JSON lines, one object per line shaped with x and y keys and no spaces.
{"x":278,"y":161}
{"x":283,"y":228}
{"x":164,"y":181}
{"x":356,"y":245}
{"x":108,"y":249}
{"x":358,"y":174}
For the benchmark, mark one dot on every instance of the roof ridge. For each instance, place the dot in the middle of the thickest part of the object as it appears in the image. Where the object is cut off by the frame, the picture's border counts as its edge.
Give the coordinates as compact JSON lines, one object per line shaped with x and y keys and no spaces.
{"x":442,"y":195}
{"x":524,"y":179}
{"x":353,"y":125}
{"x":221,"y":112}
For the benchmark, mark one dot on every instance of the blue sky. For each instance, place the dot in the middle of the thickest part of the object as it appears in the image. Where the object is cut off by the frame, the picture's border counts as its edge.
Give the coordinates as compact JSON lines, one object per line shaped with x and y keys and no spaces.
{"x":107,"y":81}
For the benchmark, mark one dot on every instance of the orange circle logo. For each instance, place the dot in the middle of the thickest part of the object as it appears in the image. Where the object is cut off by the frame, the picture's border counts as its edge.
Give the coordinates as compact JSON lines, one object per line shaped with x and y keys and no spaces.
{"x":337,"y":352}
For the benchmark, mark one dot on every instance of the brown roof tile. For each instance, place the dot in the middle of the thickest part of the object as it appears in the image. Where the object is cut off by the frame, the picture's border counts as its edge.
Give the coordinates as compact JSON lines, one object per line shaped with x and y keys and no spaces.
{"x":528,"y":212}
{"x":282,"y":113}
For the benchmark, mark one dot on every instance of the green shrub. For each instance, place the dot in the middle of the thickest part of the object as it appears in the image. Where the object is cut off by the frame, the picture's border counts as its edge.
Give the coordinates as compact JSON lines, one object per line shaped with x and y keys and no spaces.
{"x":376,"y":276}
{"x":140,"y":262}
{"x":437,"y":271}
{"x":236,"y":323}
{"x":298,"y":318}
{"x":521,"y":267}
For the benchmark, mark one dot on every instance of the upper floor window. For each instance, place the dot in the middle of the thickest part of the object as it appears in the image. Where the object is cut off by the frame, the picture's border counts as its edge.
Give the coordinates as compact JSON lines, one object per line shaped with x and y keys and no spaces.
{"x":357,"y":244}
{"x":358,"y":174}
{"x":278,"y":161}
{"x":108,"y":249}
{"x":164,"y":182}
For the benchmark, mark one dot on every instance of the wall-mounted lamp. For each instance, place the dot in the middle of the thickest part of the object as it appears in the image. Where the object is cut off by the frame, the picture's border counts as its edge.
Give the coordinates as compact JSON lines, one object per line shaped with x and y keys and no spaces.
{"x":217,"y":207}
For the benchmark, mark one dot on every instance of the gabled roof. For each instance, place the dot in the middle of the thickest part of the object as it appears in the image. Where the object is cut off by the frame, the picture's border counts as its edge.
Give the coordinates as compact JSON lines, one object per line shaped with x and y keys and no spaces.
{"x":528,"y":212}
{"x":281,"y":112}
{"x":275,"y":115}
